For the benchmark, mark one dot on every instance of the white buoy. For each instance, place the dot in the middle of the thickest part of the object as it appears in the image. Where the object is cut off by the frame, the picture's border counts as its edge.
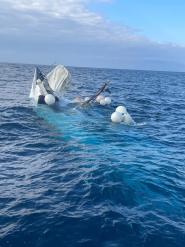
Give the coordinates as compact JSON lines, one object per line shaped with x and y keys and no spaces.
{"x":108,"y":100}
{"x":49,"y":99}
{"x":116,"y":117}
{"x":102,"y":102}
{"x":121,"y":109}
{"x":127,"y":119}
{"x":99,"y":98}
{"x":87,"y":98}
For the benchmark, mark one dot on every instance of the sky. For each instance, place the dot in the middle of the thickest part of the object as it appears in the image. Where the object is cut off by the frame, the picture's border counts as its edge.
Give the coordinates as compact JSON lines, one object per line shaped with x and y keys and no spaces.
{"x":126,"y":34}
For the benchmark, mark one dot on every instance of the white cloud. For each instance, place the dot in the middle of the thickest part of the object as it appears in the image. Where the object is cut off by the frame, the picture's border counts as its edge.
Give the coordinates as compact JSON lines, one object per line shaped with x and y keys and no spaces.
{"x":70,"y":9}
{"x":52,"y":29}
{"x":59,"y":12}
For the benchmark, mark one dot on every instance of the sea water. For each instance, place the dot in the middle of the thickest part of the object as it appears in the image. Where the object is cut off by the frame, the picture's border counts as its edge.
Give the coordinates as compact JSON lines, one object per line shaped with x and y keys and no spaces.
{"x":70,"y":177}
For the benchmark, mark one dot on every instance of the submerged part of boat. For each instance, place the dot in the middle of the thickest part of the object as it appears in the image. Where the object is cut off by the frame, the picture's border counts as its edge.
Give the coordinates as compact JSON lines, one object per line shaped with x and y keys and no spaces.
{"x":48,"y":89}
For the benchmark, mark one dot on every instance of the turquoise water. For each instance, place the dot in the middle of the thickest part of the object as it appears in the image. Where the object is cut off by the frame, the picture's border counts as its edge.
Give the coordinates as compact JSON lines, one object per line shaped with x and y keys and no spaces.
{"x":70,"y":177}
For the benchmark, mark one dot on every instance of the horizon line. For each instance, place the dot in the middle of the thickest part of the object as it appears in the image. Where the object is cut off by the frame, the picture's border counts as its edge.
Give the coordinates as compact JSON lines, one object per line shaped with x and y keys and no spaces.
{"x":90,"y":67}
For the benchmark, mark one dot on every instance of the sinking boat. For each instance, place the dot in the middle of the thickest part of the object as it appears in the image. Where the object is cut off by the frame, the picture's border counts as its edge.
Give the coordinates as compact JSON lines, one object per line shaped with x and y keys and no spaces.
{"x":49,"y":89}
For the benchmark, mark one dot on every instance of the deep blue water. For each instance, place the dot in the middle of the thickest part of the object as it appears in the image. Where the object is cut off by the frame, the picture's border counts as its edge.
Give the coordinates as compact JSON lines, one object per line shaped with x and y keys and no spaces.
{"x":72,"y":178}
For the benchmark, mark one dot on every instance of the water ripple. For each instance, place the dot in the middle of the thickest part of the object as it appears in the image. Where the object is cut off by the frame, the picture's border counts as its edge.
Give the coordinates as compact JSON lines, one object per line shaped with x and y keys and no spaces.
{"x":72,"y":178}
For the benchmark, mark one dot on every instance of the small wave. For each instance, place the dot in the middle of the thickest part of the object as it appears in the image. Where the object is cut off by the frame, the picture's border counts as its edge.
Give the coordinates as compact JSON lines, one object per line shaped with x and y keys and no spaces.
{"x":141,"y":124}
{"x":72,"y":178}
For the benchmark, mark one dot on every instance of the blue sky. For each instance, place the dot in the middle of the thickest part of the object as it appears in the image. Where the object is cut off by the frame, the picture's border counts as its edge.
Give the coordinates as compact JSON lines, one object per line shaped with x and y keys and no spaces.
{"x":131,"y":34}
{"x":160,"y":20}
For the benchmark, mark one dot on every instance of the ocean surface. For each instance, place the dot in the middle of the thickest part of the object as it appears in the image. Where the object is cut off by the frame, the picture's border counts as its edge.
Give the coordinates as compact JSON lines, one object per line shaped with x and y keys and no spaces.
{"x":71,"y":178}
